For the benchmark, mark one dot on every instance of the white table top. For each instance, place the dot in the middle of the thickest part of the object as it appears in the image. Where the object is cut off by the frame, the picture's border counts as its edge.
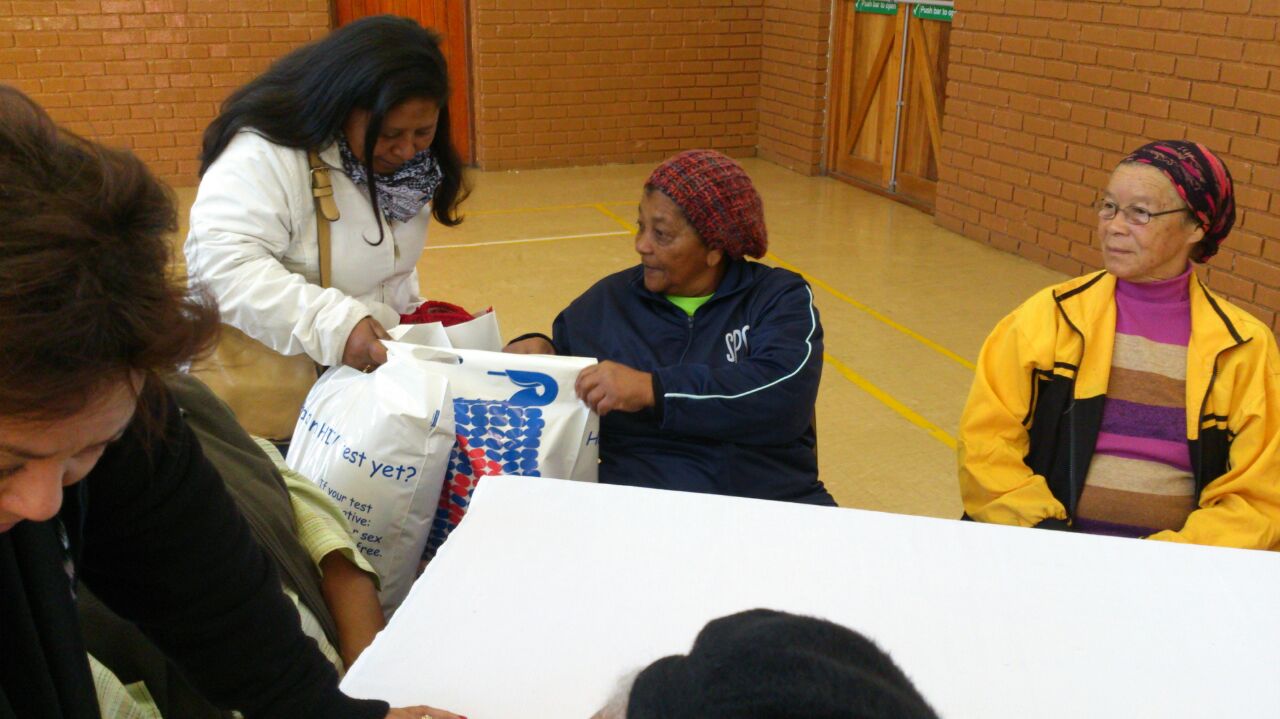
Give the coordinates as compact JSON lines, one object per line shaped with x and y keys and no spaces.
{"x":549,"y":591}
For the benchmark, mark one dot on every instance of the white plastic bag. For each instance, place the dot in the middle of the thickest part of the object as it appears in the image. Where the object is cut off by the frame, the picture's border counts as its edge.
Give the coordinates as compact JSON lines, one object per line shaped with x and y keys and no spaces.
{"x":514,"y":414}
{"x":427,"y":333}
{"x":378,"y":444}
{"x":480,"y":333}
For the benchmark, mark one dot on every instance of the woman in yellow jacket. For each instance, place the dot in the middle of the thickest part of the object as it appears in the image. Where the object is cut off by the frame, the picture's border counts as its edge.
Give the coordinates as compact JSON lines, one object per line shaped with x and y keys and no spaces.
{"x":1132,"y":401}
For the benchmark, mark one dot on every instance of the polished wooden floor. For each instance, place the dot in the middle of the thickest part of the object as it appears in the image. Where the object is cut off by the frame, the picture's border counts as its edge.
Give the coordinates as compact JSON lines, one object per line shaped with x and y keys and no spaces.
{"x":905,"y":304}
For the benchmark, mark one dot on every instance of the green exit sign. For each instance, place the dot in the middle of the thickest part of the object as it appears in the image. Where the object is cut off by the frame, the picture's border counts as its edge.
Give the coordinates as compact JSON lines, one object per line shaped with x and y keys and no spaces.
{"x":880,"y":7}
{"x":935,"y":12}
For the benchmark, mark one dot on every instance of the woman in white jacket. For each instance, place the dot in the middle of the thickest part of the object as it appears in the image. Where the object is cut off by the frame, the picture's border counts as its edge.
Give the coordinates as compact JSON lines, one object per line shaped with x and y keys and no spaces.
{"x":371,"y":99}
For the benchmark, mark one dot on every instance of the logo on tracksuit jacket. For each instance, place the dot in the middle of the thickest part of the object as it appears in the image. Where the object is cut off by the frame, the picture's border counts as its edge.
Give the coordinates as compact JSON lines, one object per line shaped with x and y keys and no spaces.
{"x":736,"y":341}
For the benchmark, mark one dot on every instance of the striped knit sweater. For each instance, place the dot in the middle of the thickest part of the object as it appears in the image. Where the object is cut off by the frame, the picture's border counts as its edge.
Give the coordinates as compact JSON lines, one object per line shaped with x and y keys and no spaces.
{"x":1140,"y":479}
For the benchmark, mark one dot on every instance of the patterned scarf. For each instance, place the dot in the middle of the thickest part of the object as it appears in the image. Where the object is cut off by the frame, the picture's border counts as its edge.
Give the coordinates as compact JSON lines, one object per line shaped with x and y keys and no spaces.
{"x":403,"y":193}
{"x":1201,"y":179}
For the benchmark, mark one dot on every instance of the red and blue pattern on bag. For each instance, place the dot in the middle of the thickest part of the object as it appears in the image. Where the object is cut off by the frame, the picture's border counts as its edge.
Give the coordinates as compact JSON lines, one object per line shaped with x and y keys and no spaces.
{"x":493,"y":437}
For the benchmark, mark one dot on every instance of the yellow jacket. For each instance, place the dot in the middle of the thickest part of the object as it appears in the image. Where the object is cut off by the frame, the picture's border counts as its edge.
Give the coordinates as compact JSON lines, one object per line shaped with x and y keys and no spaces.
{"x":1032,"y":418}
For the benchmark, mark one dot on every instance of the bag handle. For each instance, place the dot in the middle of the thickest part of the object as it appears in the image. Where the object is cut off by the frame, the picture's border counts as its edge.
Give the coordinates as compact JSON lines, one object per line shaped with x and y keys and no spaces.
{"x":326,"y":212}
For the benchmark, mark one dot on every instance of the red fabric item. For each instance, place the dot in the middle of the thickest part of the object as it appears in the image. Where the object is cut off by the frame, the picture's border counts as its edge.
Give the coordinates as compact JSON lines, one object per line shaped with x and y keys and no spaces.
{"x":717,"y":198}
{"x":446,"y":313}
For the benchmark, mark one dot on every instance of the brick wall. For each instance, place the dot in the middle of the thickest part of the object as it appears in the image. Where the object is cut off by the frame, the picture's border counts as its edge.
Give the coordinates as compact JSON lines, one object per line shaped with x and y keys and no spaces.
{"x":556,"y":82}
{"x":147,"y":74}
{"x":793,"y":82}
{"x":1045,"y":97}
{"x":595,"y":81}
{"x":592,"y":81}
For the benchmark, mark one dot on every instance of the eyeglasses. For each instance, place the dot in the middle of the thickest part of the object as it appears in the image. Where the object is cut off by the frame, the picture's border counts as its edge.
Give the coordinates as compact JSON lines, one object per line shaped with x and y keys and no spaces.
{"x":1133,"y":214}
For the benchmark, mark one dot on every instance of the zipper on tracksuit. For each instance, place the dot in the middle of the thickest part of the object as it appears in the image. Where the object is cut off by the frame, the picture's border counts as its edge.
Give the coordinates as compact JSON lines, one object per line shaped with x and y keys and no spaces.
{"x":688,"y":342}
{"x":1200,"y":472}
{"x":1073,"y":482}
{"x":1200,"y":475}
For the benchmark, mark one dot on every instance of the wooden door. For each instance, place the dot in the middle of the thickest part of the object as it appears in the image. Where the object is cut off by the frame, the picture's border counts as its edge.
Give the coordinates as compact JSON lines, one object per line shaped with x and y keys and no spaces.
{"x":869,"y":57}
{"x":449,"y":18}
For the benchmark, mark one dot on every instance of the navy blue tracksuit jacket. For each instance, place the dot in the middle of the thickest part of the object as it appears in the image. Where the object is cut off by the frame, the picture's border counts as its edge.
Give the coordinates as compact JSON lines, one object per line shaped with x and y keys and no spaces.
{"x":734,"y":388}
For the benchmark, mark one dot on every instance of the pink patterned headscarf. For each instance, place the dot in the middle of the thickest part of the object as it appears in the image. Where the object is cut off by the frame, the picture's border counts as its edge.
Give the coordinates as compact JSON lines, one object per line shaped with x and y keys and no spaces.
{"x":1203,"y":182}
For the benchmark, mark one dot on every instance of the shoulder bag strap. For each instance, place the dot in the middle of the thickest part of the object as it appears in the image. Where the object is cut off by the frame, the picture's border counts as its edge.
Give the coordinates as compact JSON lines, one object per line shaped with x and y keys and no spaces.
{"x":326,"y":212}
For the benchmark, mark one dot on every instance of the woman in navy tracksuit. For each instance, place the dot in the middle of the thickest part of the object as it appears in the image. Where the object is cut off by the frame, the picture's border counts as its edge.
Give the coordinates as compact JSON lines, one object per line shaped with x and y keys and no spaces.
{"x":709,"y":364}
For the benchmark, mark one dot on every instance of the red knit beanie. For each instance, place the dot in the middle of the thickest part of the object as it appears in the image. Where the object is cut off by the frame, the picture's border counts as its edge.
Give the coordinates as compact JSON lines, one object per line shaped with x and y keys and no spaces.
{"x":717,"y":198}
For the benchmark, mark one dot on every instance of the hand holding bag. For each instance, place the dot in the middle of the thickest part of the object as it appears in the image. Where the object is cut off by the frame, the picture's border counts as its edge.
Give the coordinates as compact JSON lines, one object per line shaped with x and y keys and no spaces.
{"x":513,"y":414}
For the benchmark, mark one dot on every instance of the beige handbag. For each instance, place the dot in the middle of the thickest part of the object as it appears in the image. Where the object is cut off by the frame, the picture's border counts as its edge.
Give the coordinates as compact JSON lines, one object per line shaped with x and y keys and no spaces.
{"x":264,"y":388}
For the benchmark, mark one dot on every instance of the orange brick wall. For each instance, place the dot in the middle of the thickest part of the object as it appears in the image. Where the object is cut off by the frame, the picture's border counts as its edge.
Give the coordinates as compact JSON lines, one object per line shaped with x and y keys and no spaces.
{"x":556,"y":82}
{"x":594,"y":81}
{"x":1046,"y":96}
{"x":793,"y":82}
{"x":147,"y":74}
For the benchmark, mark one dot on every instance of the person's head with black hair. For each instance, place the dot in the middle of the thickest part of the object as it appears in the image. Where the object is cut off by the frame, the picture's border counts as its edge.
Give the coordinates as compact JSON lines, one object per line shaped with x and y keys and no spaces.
{"x":764,"y":664}
{"x":380,"y":84}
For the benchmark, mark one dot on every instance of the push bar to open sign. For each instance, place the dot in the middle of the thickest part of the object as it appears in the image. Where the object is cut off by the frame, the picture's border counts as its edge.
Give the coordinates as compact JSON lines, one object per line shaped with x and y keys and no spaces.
{"x":924,"y":9}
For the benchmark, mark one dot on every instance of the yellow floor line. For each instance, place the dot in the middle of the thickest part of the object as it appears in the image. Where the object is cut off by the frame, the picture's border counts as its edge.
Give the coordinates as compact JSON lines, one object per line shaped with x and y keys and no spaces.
{"x":888,"y":400}
{"x":527,"y":240}
{"x":615,"y":217}
{"x":871,"y":311}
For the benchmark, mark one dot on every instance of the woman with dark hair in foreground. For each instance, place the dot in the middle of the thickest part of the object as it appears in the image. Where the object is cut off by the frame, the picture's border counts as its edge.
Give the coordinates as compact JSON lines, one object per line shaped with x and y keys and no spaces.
{"x":101,"y":481}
